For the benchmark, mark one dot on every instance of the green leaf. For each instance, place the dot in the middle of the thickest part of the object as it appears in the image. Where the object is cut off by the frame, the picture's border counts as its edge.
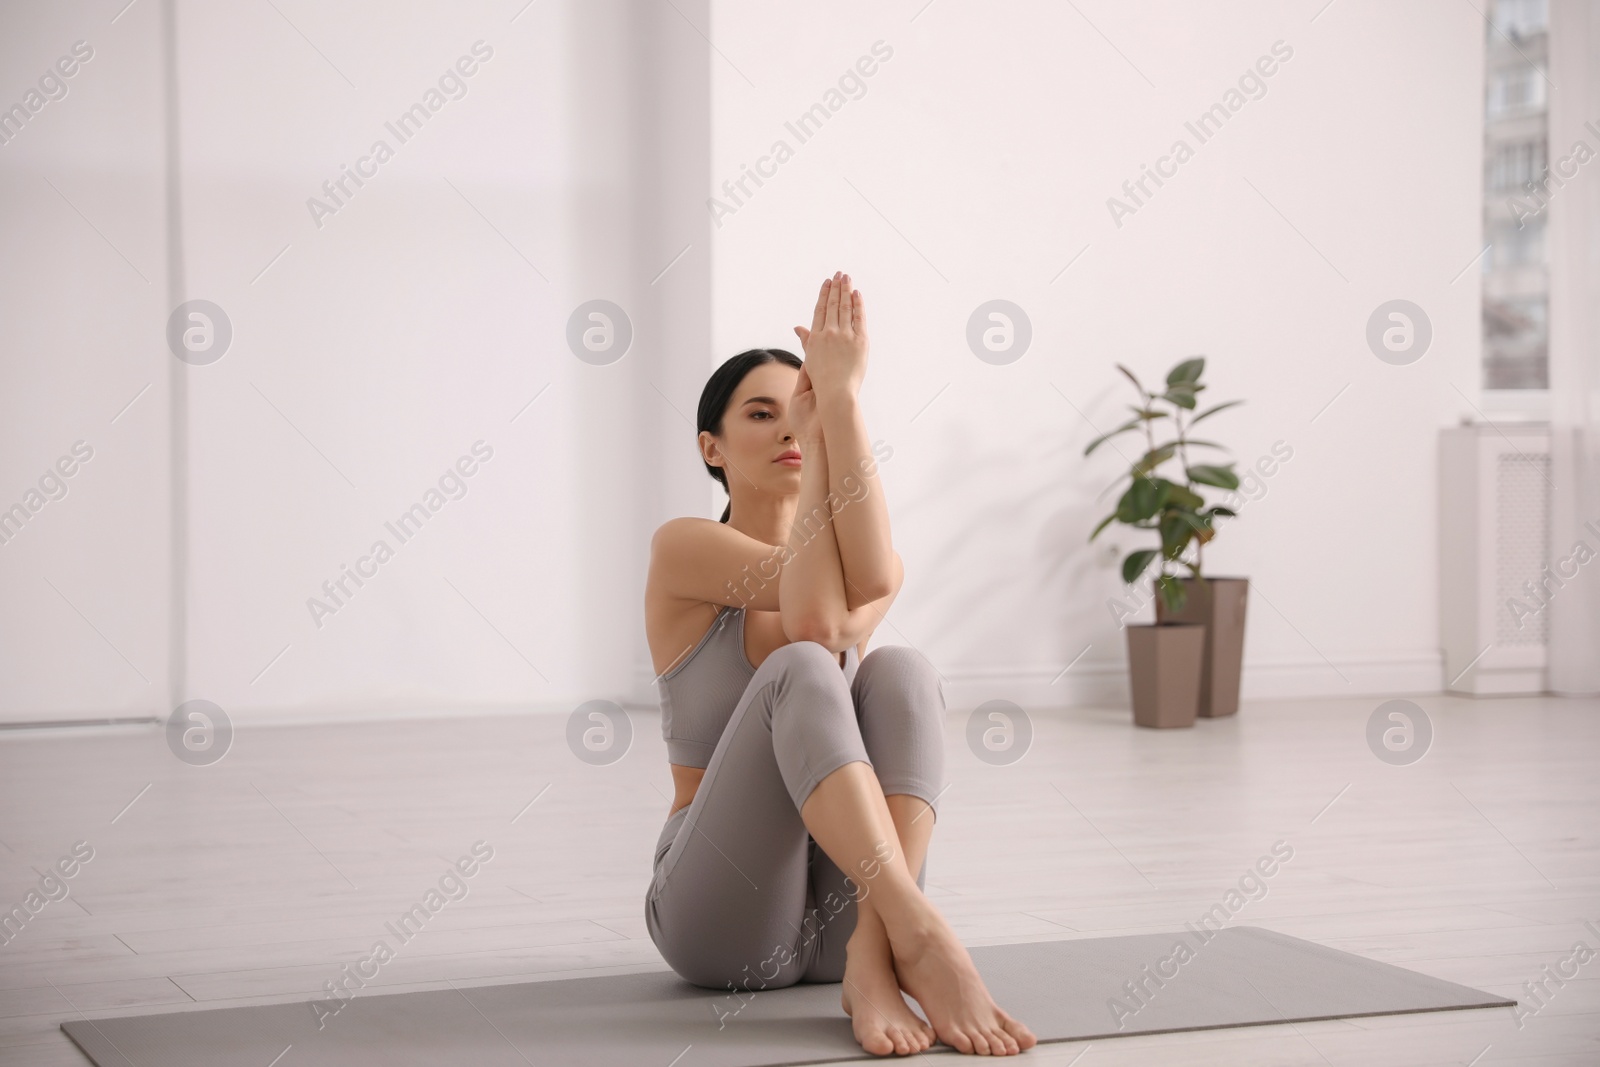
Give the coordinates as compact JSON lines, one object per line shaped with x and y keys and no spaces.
{"x":1172,"y":594}
{"x":1177,"y":530}
{"x":1147,"y":414}
{"x":1107,"y":521}
{"x":1131,"y":378}
{"x":1220,"y":510}
{"x":1221,"y":477}
{"x":1135,"y":563}
{"x":1144,"y":498}
{"x":1152,"y":460}
{"x":1187,"y":371}
{"x":1197,"y":444}
{"x":1208,"y":412}
{"x":1181,"y":396}
{"x":1098,"y":441}
{"x":1183,"y":497}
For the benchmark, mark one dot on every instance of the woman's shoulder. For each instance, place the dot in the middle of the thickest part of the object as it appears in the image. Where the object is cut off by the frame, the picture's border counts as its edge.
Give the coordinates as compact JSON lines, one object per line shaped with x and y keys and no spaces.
{"x":686,"y":532}
{"x":703,"y":561}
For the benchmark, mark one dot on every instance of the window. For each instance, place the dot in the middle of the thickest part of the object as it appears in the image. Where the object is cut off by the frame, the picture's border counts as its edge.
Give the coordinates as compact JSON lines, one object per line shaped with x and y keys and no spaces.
{"x":1515,"y":191}
{"x":1513,"y":165}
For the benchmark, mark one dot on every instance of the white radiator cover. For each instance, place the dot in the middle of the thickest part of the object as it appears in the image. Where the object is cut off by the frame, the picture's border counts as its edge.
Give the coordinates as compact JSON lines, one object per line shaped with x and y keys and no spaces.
{"x":1494,"y":521}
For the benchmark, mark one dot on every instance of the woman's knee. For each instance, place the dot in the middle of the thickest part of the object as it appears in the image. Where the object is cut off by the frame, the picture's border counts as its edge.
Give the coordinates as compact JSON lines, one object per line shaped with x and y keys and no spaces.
{"x":809,"y":666}
{"x":803,"y":654}
{"x":807,"y":698}
{"x":900,"y":700}
{"x":900,"y":681}
{"x":899,"y":658}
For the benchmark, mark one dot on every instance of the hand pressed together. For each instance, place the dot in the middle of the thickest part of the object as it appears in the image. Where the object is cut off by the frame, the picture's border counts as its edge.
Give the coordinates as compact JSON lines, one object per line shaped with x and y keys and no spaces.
{"x":836,"y":344}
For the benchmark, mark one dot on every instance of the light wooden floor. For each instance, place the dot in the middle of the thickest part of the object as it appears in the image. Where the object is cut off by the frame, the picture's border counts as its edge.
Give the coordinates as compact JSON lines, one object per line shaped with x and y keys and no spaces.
{"x":253,"y":880}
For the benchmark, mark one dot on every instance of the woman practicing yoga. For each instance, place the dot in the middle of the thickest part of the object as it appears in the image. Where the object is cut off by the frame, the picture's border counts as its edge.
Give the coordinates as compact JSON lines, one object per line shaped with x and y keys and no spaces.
{"x":807,"y":774}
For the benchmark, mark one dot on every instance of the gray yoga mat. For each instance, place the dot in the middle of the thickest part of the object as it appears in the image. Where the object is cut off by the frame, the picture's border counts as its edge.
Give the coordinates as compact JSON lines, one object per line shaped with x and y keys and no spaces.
{"x":1063,"y":990}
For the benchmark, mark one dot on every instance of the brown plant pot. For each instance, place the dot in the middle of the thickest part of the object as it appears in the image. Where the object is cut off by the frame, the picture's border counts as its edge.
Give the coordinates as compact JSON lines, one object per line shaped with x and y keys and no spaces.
{"x":1164,"y":670}
{"x":1218,"y":604}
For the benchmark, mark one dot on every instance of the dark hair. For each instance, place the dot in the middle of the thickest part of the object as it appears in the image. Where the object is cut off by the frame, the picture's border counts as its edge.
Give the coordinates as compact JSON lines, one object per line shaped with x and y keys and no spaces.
{"x":718,"y":393}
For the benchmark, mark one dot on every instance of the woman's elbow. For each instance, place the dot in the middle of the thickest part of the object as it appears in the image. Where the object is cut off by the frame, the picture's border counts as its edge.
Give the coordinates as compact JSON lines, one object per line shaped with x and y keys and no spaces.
{"x":818,"y":630}
{"x":859,"y":595}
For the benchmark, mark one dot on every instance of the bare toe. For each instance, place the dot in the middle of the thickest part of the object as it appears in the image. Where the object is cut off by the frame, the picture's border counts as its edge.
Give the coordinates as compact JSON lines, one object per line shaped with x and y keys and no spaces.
{"x":999,"y":1038}
{"x":935,"y":969}
{"x":1018,"y":1032}
{"x":882,"y":1021}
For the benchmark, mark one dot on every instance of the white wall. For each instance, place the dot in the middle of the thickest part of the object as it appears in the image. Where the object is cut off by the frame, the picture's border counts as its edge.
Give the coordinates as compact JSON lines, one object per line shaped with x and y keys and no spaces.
{"x":420,"y":318}
{"x":85,"y":580}
{"x":978,"y":164}
{"x":426,"y":316}
{"x":369,"y":354}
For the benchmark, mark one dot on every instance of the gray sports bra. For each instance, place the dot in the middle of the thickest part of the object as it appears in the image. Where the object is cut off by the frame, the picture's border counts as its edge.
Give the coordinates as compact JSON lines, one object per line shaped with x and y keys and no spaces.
{"x":699,"y":695}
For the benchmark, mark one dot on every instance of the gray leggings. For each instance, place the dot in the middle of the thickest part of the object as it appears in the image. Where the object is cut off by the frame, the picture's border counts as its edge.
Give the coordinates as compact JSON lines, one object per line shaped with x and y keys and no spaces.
{"x":742,"y":897}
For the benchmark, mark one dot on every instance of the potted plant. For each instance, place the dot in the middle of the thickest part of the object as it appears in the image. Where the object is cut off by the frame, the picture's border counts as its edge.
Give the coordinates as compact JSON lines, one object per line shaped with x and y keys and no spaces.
{"x":1189,"y":661}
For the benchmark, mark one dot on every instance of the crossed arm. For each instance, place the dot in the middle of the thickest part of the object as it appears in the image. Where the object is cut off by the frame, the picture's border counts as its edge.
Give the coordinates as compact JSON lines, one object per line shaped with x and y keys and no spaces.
{"x":842,"y":572}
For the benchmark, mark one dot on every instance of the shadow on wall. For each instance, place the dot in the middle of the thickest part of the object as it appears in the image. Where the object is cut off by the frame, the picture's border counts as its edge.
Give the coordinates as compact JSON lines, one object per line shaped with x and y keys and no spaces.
{"x":971,"y":589}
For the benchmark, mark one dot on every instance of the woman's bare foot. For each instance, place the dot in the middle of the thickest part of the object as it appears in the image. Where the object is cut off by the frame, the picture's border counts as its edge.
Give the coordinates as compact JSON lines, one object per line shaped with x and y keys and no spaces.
{"x":882,"y":1020}
{"x":934,"y":967}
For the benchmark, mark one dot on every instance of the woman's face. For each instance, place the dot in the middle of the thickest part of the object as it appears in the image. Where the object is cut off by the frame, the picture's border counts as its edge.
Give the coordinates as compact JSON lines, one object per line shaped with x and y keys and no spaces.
{"x":756,"y":432}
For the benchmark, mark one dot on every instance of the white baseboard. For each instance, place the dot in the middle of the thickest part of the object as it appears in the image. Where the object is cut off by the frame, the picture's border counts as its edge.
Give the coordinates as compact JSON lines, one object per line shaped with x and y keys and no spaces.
{"x":1105,"y":683}
{"x":399,"y":711}
{"x":1086,"y":684}
{"x":1502,"y":682}
{"x":1374,"y":675}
